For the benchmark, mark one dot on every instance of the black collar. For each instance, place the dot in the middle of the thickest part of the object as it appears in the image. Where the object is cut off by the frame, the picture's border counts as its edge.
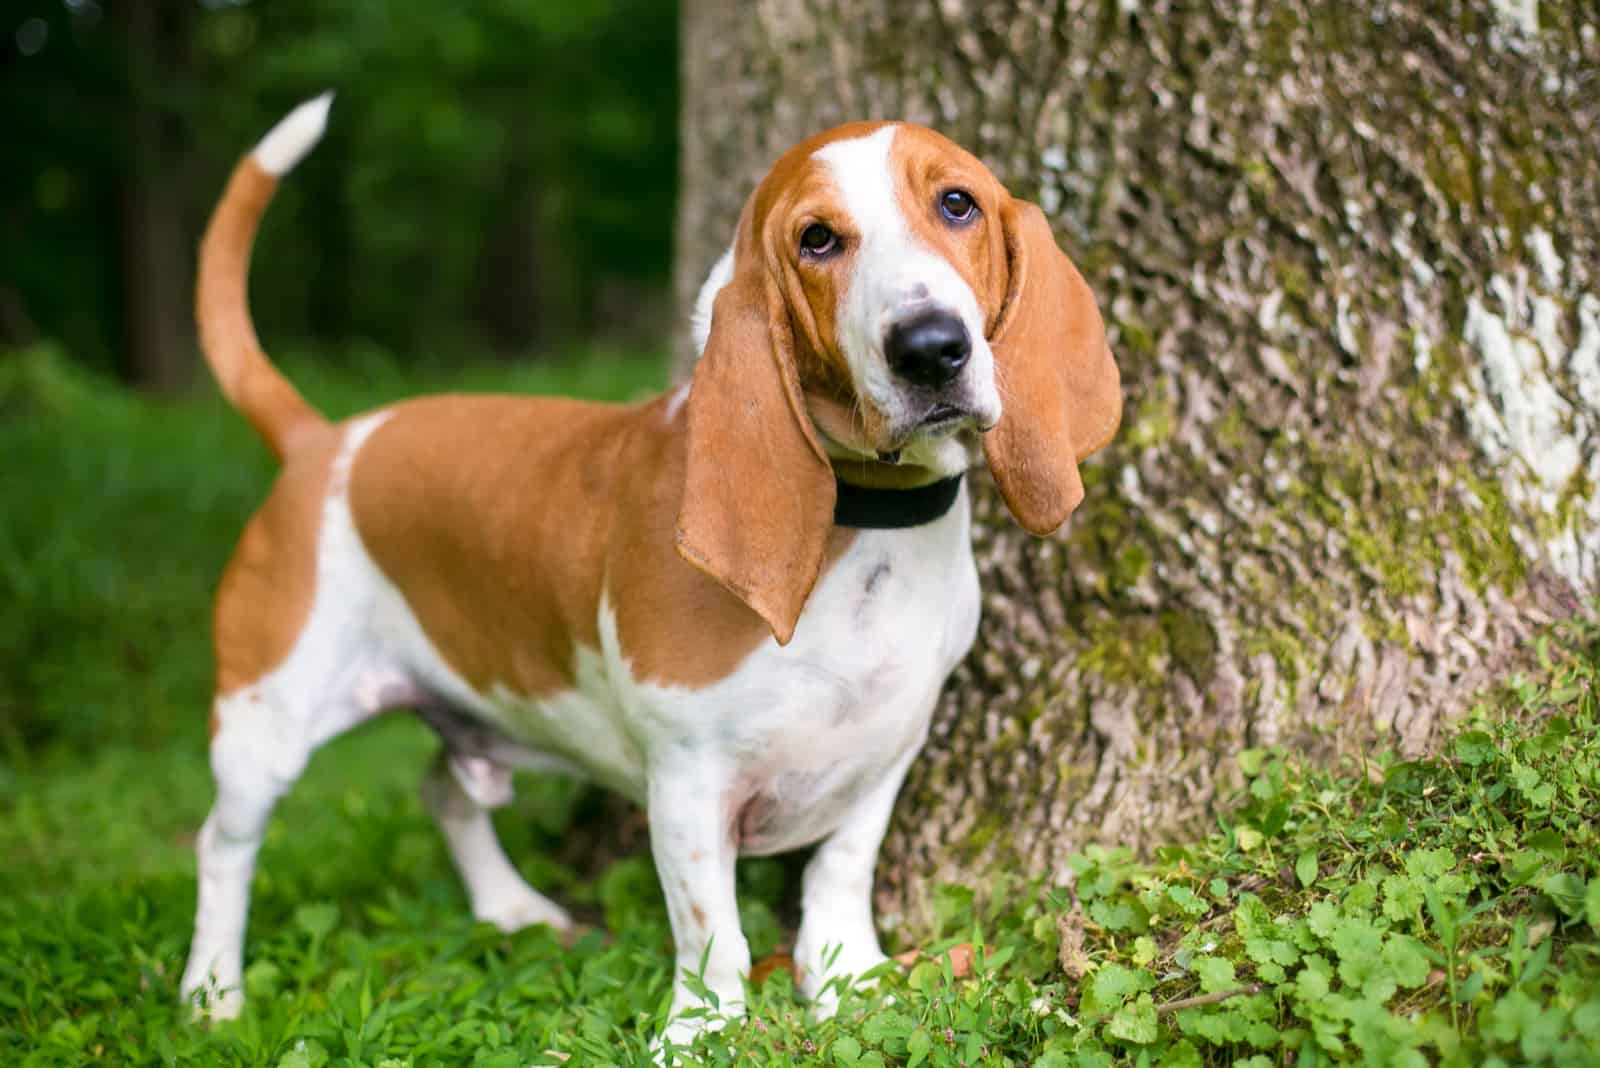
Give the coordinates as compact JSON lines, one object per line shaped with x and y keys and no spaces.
{"x":892,"y":509}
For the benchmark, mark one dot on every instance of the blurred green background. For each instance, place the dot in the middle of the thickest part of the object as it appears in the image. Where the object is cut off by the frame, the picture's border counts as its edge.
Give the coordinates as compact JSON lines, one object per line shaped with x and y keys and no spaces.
{"x":498,"y":177}
{"x":491,"y":209}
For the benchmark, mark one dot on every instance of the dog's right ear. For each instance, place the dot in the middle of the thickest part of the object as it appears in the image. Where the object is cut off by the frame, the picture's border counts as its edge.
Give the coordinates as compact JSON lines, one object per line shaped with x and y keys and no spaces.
{"x":758,"y":491}
{"x":1062,"y":393}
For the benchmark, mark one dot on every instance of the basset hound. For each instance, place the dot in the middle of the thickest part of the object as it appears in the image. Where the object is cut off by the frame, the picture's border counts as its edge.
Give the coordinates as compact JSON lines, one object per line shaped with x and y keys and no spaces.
{"x":734,"y":604}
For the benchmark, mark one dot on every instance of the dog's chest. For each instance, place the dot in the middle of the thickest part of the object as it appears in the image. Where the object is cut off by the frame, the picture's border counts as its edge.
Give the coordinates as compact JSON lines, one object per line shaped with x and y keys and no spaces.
{"x":806,"y":730}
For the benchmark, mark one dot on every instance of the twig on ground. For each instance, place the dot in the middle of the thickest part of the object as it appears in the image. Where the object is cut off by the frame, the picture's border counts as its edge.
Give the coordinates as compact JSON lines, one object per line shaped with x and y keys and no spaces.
{"x":1207,"y":999}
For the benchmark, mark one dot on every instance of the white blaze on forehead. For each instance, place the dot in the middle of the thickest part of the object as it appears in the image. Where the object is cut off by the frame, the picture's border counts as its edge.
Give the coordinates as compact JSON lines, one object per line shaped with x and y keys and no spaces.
{"x":861,"y":169}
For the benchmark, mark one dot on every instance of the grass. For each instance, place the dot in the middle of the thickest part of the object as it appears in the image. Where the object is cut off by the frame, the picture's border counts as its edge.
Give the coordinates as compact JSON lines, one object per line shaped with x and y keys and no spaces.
{"x":1399,"y":913}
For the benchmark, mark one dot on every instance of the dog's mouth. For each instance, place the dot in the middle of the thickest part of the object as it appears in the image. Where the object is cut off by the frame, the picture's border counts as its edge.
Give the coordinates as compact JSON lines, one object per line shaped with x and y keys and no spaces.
{"x":942,"y":415}
{"x":940,"y":421}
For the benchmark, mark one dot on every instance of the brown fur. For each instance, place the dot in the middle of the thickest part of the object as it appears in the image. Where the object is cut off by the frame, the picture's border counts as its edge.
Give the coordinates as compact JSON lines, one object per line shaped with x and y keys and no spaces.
{"x":1060,"y":387}
{"x":501,"y":519}
{"x":222,"y":309}
{"x":267,"y":589}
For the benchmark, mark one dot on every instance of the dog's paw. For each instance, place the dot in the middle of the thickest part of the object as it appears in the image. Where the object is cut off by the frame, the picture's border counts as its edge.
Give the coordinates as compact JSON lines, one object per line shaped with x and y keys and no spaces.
{"x":515,"y":909}
{"x":680,"y":1033}
{"x":825,"y":975}
{"x":207,"y":1004}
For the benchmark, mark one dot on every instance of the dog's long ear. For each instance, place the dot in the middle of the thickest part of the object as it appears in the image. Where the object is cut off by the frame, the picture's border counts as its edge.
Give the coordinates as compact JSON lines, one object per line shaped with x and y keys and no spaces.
{"x":1060,"y":391}
{"x":758,"y":493}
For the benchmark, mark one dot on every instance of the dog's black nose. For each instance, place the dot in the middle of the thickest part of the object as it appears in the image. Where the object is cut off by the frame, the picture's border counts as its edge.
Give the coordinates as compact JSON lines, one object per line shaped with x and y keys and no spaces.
{"x":929,"y":350}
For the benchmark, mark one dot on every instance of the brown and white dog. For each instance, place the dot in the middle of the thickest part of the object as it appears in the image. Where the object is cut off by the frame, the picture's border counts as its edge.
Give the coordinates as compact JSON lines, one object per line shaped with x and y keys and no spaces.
{"x":734,"y":604}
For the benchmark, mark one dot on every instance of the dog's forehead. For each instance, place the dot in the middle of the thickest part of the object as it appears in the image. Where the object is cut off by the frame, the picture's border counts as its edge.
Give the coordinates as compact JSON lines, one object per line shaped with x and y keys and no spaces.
{"x":862,"y":169}
{"x":862,"y":161}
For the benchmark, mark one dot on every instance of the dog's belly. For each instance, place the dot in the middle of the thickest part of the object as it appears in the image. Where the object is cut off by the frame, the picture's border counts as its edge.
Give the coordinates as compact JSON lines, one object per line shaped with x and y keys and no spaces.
{"x":797,"y":733}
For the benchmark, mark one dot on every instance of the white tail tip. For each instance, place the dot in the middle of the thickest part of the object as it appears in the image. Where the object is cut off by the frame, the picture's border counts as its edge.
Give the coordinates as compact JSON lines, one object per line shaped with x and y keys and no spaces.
{"x":296,"y":134}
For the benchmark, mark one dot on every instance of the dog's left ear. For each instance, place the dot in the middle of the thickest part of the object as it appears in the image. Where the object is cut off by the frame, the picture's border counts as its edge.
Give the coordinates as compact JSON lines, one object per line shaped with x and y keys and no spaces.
{"x":758,"y":490}
{"x":1061,"y":395}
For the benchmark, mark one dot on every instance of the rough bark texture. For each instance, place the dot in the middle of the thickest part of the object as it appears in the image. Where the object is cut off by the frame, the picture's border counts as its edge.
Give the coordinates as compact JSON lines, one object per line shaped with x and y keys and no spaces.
{"x":1349,"y":253}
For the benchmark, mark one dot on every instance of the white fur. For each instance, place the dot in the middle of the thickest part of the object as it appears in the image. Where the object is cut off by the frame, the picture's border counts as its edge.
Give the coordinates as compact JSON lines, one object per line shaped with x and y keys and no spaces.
{"x":817,"y":735}
{"x":700,"y":319}
{"x":895,"y":276}
{"x":675,"y":403}
{"x":297,"y":133}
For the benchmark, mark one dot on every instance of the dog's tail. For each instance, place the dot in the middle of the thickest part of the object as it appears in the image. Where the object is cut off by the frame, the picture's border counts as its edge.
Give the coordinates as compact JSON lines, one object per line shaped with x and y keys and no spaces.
{"x":222,"y":305}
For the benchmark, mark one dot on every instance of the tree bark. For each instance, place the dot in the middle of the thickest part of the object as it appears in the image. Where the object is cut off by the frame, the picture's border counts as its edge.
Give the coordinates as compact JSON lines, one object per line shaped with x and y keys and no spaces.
{"x":1349,"y":255}
{"x":158,"y":333}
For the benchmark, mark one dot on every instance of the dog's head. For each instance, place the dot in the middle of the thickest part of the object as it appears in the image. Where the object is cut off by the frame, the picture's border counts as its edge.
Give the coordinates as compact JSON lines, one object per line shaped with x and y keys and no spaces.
{"x":885,"y":301}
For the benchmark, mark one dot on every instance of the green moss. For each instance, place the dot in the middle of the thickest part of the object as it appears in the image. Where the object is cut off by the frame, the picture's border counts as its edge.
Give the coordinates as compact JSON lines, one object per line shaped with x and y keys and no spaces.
{"x":1192,"y":642}
{"x":1233,"y":429}
{"x":1155,"y":418}
{"x":990,"y":823}
{"x":1131,"y":564}
{"x":1135,"y":338}
{"x":1140,"y":649}
{"x":1287,"y":650}
{"x":1125,"y":649}
{"x":1483,"y":538}
{"x":1296,"y":282}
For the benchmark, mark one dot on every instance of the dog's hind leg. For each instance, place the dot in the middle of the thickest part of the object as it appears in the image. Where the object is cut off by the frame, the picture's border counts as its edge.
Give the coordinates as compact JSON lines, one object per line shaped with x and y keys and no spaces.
{"x":459,"y":791}
{"x":256,"y":755}
{"x":266,"y":733}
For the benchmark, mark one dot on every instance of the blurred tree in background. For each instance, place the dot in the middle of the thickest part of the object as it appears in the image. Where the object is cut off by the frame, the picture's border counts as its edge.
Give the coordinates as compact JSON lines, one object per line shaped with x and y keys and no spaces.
{"x":499,"y":176}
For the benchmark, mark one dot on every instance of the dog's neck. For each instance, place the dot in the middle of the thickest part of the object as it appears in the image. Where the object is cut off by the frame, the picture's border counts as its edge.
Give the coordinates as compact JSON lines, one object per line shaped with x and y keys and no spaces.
{"x":871,"y":495}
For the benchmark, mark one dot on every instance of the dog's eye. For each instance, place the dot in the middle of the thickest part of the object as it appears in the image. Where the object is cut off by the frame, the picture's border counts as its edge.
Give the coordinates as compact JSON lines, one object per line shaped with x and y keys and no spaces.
{"x":958,"y":205}
{"x":817,"y":240}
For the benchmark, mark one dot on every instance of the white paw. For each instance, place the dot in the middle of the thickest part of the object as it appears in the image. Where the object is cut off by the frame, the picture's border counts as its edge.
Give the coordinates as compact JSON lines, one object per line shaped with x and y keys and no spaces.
{"x":210,"y":1002}
{"x":826,"y":974}
{"x":681,"y":1030}
{"x":522,"y":907}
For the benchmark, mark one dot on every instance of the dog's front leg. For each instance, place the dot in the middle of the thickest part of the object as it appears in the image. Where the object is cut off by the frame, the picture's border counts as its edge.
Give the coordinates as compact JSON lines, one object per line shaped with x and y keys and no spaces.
{"x":694,"y":851}
{"x":837,"y":937}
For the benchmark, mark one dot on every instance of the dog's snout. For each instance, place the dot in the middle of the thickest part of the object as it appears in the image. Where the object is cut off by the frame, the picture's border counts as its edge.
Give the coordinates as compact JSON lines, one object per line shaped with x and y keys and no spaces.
{"x":930,"y":349}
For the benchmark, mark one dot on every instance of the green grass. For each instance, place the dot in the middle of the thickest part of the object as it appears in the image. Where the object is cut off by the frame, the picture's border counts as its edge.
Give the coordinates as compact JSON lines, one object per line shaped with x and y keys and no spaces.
{"x":1398,"y":913}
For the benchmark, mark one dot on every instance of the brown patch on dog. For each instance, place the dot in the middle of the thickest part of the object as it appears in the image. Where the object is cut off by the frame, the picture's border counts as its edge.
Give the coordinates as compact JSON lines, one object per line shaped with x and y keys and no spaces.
{"x":501,"y":519}
{"x":1063,"y":393}
{"x":268,"y":586}
{"x":757,"y":504}
{"x":491,"y":514}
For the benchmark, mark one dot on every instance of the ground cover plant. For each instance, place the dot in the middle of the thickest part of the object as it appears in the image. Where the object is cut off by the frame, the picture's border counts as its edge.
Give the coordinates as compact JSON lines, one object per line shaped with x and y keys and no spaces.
{"x":1444,"y":911}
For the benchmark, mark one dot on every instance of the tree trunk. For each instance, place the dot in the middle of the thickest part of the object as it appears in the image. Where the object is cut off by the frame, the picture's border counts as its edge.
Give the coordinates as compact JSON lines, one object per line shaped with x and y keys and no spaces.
{"x":158,"y":332}
{"x":1349,"y":255}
